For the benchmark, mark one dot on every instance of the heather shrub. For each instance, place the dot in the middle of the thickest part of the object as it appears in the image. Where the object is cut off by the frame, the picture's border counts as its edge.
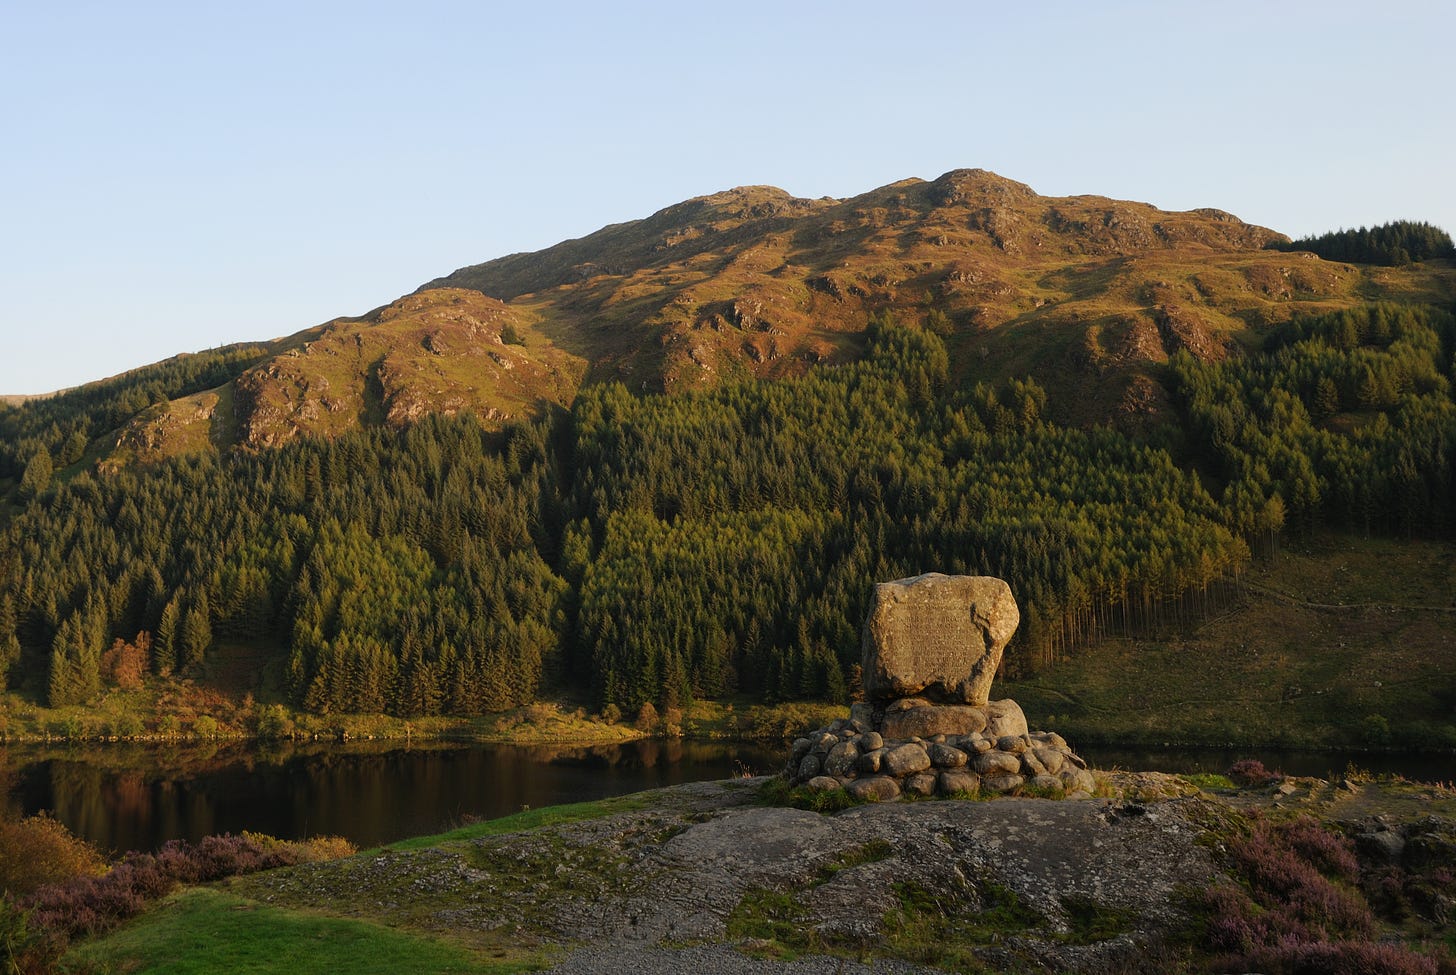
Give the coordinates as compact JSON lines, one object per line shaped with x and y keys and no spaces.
{"x":287,"y":853}
{"x":1251,"y":772}
{"x":1291,"y":956}
{"x":39,"y":851}
{"x":1296,"y":911}
{"x":87,"y":905}
{"x":1332,"y":854}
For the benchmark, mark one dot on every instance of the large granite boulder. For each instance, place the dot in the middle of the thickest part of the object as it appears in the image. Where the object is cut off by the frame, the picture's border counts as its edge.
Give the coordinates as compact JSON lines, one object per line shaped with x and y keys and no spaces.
{"x":938,"y":637}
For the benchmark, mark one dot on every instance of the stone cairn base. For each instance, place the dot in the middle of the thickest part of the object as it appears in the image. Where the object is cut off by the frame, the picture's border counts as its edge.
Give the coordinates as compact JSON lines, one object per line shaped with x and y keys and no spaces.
{"x":916,"y":747}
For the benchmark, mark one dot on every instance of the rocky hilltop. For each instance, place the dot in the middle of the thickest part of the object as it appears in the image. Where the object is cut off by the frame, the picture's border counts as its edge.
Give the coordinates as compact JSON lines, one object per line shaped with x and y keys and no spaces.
{"x":1085,"y":293}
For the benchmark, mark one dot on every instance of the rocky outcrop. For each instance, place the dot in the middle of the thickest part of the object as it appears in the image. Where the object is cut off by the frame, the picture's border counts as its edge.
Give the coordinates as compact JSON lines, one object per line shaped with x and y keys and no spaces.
{"x":937,"y":636}
{"x":700,"y":865}
{"x":931,"y":646}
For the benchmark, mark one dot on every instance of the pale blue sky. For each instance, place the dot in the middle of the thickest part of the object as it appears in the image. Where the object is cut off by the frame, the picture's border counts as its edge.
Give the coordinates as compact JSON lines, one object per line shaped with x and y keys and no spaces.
{"x":176,"y":176}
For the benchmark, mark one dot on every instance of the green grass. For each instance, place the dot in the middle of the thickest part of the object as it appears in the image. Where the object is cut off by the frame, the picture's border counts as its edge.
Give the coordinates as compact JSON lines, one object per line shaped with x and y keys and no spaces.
{"x":206,"y":931}
{"x":1090,"y":922}
{"x":872,"y":852}
{"x":777,"y":792}
{"x":530,"y":819}
{"x":1337,"y":642}
{"x":939,"y":930}
{"x":771,"y":915}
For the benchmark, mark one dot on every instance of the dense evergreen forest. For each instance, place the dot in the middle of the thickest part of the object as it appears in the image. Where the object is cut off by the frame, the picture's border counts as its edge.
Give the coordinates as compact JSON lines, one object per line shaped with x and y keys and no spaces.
{"x":1391,"y":244}
{"x":656,"y":548}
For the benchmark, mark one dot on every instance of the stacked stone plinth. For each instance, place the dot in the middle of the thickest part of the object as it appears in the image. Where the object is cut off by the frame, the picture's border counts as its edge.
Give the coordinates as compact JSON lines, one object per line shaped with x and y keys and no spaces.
{"x":1001,"y":756}
{"x":931,"y":646}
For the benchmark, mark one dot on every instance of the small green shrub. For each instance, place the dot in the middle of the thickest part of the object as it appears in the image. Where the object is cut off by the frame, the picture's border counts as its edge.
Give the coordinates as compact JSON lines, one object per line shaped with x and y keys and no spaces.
{"x":777,"y":792}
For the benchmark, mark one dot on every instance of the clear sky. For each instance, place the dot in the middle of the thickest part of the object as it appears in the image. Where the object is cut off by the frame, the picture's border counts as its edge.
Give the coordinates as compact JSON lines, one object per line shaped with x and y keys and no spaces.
{"x":176,"y":176}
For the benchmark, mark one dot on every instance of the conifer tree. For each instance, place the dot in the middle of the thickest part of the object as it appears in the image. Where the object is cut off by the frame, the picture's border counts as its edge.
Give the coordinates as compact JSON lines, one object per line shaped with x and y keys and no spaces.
{"x":196,"y":635}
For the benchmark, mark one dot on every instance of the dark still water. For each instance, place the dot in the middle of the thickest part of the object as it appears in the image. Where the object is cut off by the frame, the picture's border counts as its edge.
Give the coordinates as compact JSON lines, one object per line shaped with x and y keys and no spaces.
{"x":130,"y":797}
{"x":123,"y":797}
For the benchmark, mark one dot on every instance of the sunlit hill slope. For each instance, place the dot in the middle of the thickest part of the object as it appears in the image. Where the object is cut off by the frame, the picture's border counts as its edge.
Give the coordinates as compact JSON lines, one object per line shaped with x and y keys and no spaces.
{"x":1087,"y":294}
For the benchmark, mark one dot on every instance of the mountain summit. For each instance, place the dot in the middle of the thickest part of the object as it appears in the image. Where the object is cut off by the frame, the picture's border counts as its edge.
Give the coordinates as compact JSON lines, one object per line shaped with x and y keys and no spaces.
{"x":1089,"y":294}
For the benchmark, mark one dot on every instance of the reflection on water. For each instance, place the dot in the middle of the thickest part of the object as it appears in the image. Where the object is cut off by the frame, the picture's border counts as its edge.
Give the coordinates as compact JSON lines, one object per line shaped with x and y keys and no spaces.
{"x":133,"y":797}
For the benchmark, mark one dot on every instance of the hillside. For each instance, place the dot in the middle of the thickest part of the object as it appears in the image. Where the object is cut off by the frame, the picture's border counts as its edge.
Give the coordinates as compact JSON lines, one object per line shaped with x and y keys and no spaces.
{"x":453,"y":506}
{"x":1082,"y":289}
{"x":1085,"y":293}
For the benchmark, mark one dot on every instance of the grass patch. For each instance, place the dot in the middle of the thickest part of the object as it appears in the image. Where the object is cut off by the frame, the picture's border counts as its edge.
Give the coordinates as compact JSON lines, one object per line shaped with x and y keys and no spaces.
{"x":1209,"y":781}
{"x":770,"y":915}
{"x":1089,"y":921}
{"x":529,"y":819}
{"x":935,"y":929}
{"x":872,"y":852}
{"x":204,"y":931}
{"x":777,"y":792}
{"x":1336,"y":642}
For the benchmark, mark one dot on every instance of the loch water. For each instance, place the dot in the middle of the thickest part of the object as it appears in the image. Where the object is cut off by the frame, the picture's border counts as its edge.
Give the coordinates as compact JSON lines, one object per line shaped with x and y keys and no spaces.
{"x":131,"y":797}
{"x":134,"y":797}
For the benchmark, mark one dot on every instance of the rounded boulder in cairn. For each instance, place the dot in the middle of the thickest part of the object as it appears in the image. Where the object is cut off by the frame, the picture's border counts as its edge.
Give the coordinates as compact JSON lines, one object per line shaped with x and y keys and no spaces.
{"x":937,"y":635}
{"x":842,"y":758}
{"x":1052,"y":759}
{"x":959,"y":782}
{"x":1078,"y":780}
{"x":921,"y":784}
{"x":1015,"y":744}
{"x":905,"y":759}
{"x":944,"y":756}
{"x":870,"y":762}
{"x":822,"y":783}
{"x":877,"y":788}
{"x":1002,"y":782}
{"x":1004,"y":718}
{"x":992,"y":762}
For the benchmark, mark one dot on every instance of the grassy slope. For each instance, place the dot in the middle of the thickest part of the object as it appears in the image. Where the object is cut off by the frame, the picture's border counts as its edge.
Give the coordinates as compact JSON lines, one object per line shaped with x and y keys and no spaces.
{"x":202,"y":930}
{"x":208,"y":929}
{"x":1340,"y":641}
